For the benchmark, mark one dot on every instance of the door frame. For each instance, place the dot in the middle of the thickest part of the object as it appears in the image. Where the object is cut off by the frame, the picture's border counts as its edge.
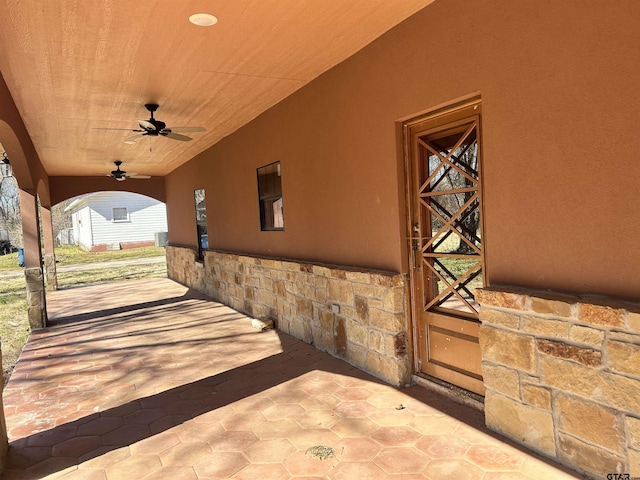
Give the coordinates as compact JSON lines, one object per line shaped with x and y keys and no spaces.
{"x":410,"y":216}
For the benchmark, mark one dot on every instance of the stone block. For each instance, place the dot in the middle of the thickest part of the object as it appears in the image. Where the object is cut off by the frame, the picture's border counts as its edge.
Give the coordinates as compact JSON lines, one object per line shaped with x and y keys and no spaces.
{"x":340,"y":291}
{"x":348,"y":311}
{"x":585,"y":356}
{"x":376,"y":341}
{"x":633,"y":429}
{"x":362,"y":309}
{"x":524,"y":424}
{"x":357,"y":356}
{"x":358,"y":277}
{"x":588,"y":458}
{"x":601,"y":315}
{"x":326,"y":320}
{"x":304,"y":307}
{"x":493,"y":298}
{"x":623,"y":357}
{"x":300,"y":329}
{"x":340,"y":336}
{"x":303,"y":267}
{"x":616,"y":391}
{"x":338,"y":273}
{"x":501,"y":379}
{"x":591,"y":422}
{"x":279,"y":288}
{"x":383,"y":280}
{"x":536,"y":396}
{"x":545,"y":327}
{"x":266,"y":283}
{"x":497,"y":317}
{"x":373,"y":362}
{"x":634,"y":321}
{"x":388,"y":322}
{"x":634,"y":464}
{"x":508,"y":348}
{"x":266,"y":297}
{"x":324,"y":341}
{"x":364,"y":290}
{"x":393,"y":299}
{"x":586,"y":335}
{"x":272,"y":264}
{"x":356,"y":333}
{"x":37,"y":317}
{"x":321,"y":271}
{"x":401,"y":346}
{"x":556,"y":308}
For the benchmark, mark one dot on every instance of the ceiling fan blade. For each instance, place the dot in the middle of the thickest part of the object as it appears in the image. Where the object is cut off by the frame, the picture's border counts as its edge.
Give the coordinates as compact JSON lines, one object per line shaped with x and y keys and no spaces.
{"x":139,"y":177}
{"x":176,"y":136}
{"x":133,"y":138}
{"x":187,"y":129}
{"x":148,"y":126}
{"x":107,"y":128}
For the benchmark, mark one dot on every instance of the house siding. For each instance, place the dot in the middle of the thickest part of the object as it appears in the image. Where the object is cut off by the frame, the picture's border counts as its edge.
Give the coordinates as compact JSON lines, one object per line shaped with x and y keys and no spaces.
{"x":146,"y":217}
{"x":82,"y":225}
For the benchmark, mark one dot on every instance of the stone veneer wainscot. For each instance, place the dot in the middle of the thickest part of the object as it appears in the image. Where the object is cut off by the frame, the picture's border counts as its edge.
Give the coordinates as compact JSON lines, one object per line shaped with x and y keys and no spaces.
{"x":563,"y":376}
{"x":359,"y":316}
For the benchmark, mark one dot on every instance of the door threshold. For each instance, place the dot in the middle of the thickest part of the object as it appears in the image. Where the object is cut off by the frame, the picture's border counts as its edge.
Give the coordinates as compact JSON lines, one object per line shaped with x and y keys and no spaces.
{"x":452,"y":392}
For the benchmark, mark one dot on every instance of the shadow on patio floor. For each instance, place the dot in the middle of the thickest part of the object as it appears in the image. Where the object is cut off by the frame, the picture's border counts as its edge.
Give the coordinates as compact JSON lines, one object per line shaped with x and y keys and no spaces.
{"x":154,"y":381}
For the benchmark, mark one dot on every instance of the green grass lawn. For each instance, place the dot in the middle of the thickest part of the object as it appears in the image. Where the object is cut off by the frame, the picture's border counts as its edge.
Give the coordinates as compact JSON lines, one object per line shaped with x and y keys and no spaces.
{"x":72,"y":255}
{"x":14,"y":324}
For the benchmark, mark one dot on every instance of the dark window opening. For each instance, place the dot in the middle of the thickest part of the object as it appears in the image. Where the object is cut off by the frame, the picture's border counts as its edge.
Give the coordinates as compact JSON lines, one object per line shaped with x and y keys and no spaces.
{"x":201,"y":222}
{"x":270,"y":196}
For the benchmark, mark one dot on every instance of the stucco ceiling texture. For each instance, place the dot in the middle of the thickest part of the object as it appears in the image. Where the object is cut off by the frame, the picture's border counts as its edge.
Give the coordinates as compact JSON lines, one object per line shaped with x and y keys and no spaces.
{"x":76,"y":67}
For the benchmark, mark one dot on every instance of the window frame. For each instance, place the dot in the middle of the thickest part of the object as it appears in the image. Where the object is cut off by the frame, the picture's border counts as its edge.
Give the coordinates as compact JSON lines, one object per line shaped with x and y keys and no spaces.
{"x":120,"y":220}
{"x":266,"y":200}
{"x":201,"y":222}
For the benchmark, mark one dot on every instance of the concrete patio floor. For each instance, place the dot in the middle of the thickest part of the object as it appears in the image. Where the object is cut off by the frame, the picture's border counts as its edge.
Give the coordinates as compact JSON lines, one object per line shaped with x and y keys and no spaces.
{"x":147,"y":380}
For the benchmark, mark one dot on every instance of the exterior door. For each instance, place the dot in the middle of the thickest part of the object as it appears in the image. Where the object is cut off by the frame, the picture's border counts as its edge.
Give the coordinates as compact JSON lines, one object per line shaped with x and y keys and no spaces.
{"x":447,"y":263}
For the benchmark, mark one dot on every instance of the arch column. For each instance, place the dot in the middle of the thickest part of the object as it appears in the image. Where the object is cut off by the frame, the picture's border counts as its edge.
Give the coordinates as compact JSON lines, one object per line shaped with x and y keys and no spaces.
{"x":36,"y":301}
{"x":50,"y":271}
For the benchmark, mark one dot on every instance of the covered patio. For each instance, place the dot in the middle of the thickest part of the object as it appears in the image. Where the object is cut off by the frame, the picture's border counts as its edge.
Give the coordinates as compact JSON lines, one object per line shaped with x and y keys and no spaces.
{"x":149,"y":379}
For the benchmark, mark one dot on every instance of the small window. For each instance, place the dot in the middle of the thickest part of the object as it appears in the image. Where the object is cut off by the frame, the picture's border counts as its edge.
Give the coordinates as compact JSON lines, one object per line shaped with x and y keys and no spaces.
{"x":201,"y":222}
{"x":120,"y":214}
{"x":270,"y":195}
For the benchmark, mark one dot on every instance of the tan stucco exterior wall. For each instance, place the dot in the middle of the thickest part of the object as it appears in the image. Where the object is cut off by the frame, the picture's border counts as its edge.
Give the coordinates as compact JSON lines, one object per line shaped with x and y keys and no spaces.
{"x":557,"y":83}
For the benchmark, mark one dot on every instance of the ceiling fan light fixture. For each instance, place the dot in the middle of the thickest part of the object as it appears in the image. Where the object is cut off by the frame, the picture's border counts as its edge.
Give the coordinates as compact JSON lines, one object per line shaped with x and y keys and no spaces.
{"x":203,"y":19}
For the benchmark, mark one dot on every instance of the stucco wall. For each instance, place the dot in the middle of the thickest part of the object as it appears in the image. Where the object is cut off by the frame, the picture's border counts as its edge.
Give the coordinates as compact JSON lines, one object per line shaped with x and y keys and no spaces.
{"x":557,"y":82}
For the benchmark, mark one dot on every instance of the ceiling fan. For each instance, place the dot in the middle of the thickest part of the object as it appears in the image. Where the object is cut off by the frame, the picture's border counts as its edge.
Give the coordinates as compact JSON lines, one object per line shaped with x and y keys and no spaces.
{"x":121,"y":175}
{"x":154,"y":128}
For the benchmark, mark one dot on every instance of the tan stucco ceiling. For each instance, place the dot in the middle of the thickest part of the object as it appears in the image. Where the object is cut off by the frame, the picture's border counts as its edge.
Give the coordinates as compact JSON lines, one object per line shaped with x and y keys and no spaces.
{"x":74,"y":66}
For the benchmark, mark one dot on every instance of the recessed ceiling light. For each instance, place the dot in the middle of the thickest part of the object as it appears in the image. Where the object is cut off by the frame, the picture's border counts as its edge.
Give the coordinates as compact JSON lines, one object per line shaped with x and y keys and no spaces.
{"x":203,"y":19}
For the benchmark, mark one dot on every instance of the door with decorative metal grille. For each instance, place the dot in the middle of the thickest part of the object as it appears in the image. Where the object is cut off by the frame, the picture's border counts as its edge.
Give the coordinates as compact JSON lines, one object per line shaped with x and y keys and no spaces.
{"x":447,"y":264}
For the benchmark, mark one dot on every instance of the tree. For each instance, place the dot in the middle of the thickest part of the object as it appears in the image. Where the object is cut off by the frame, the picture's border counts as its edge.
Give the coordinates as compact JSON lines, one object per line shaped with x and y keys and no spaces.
{"x":10,"y":219}
{"x":60,"y":219}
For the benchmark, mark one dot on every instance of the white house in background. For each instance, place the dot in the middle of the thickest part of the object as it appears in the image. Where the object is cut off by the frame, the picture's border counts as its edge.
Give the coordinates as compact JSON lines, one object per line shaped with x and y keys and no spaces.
{"x":116,"y":220}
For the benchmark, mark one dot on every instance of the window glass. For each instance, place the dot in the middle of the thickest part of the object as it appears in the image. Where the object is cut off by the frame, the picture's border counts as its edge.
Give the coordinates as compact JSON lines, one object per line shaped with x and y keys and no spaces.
{"x":120,"y":214}
{"x":201,"y":221}
{"x":270,"y":197}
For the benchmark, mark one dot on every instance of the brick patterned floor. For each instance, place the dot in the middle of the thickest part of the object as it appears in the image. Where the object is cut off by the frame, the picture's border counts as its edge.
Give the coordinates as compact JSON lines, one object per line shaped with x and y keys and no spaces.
{"x":147,"y":380}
